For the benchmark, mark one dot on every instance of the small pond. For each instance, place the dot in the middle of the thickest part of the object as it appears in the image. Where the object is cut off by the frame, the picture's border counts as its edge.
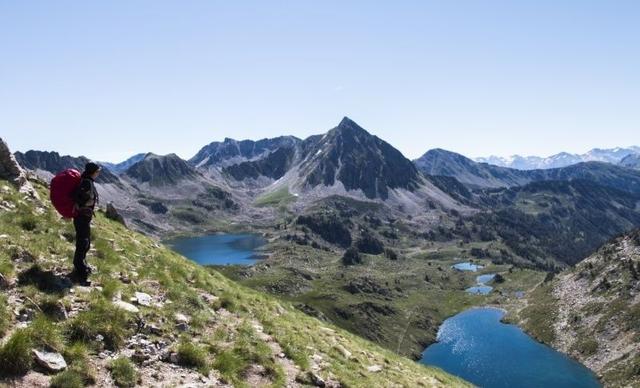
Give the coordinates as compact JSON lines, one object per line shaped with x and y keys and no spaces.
{"x":219,"y":249}
{"x":466,"y":266}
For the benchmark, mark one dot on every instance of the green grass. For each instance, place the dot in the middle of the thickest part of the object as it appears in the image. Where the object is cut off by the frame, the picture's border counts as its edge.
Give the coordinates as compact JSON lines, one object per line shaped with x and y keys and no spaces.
{"x":193,"y":356}
{"x":44,"y":334}
{"x":101,"y":317}
{"x":15,"y":355}
{"x":540,"y":314}
{"x":585,"y":346}
{"x":279,"y":198}
{"x":5,"y":315}
{"x":77,"y":357}
{"x":123,"y":372}
{"x":67,"y":379}
{"x":247,"y":350}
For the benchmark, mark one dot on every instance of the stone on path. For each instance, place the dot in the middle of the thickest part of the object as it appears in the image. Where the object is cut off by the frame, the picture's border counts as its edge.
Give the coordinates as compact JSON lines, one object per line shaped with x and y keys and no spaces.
{"x":126,"y":306}
{"x":52,"y":362}
{"x":143,"y":299}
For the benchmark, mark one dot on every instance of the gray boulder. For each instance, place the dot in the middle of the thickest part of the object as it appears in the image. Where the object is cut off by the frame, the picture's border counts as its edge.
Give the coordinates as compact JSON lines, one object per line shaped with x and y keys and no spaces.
{"x":112,"y":214}
{"x":52,"y":362}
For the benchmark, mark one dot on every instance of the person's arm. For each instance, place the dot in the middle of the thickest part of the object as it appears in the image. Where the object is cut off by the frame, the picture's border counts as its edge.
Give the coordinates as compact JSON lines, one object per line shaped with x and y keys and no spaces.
{"x":83,"y":193}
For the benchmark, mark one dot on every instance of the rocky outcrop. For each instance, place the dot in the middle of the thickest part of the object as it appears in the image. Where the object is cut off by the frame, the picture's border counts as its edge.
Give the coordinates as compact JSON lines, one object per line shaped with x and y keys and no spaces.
{"x":13,"y":172}
{"x":112,"y":214}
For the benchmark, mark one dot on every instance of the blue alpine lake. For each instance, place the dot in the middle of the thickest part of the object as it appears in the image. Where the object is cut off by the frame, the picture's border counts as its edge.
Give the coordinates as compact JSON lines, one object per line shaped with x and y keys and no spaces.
{"x":466,"y":267}
{"x":476,"y":346}
{"x":219,"y":249}
{"x":481,"y":288}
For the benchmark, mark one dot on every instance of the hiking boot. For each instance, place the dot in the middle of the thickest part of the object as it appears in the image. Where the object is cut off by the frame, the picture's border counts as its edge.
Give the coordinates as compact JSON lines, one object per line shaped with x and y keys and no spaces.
{"x":80,"y":279}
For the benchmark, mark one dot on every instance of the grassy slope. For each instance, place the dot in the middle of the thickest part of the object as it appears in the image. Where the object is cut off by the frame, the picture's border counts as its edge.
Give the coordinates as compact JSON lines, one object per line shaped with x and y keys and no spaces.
{"x":222,"y":341}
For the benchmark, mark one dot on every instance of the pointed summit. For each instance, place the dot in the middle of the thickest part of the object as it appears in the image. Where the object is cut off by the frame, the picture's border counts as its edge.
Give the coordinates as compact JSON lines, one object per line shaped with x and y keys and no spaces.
{"x":346,"y":124}
{"x":358,"y":159}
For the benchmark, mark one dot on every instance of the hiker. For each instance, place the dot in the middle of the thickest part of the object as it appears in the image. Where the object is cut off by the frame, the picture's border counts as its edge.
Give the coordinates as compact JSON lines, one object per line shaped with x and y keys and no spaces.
{"x":86,"y":199}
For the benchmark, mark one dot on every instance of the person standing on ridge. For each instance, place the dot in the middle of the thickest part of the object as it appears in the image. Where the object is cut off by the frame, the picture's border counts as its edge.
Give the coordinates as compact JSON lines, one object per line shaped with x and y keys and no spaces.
{"x":86,"y":199}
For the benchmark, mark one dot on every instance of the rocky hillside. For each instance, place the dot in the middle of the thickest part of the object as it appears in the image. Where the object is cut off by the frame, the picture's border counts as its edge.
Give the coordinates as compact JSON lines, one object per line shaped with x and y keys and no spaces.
{"x":154,"y":318}
{"x":553,"y":223}
{"x":161,"y":170}
{"x":592,"y":311}
{"x":358,"y":160}
{"x":439,"y":162}
{"x":481,"y":175}
{"x":230,"y":151}
{"x":631,"y":161}
{"x":118,"y":168}
{"x":52,"y":163}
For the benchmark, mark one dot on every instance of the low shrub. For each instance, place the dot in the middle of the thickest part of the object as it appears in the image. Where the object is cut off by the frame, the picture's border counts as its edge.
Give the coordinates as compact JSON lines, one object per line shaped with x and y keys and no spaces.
{"x":123,"y":372}
{"x":192,"y":356}
{"x":15,"y":355}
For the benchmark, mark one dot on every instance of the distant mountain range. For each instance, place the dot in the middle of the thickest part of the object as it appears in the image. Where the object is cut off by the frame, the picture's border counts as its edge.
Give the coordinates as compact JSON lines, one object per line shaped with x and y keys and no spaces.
{"x":234,"y":179}
{"x":563,"y":159}
{"x":440,"y":162}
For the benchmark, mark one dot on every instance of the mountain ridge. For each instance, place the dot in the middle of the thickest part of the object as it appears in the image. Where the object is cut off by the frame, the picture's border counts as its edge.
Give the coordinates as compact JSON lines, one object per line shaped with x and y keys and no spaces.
{"x":562,"y":159}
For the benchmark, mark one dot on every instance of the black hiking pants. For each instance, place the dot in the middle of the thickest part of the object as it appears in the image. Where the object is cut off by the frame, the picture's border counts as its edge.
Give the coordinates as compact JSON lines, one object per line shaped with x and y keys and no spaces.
{"x":82,"y":224}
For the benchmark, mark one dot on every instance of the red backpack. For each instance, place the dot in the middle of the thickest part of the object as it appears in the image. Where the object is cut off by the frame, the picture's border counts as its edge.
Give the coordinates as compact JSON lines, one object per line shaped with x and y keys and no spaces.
{"x":63,"y":185}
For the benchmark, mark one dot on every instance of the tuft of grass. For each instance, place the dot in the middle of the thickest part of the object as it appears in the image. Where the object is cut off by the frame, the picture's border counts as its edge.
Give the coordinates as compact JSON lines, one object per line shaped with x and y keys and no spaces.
{"x":123,"y":372}
{"x":67,"y":379}
{"x":101,"y":317}
{"x":193,"y":356}
{"x":230,"y":364}
{"x":45,"y":334}
{"x":77,"y":356}
{"x":110,"y":287}
{"x":15,"y":355}
{"x":247,"y":350}
{"x":5,"y":315}
{"x":28,"y":222}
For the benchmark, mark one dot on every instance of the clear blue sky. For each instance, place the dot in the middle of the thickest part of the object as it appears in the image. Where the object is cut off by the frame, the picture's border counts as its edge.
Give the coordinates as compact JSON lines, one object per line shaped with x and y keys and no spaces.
{"x":110,"y":78}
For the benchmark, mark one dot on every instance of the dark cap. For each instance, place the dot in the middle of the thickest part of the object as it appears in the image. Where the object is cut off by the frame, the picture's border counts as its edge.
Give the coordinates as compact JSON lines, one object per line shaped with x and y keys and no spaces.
{"x":91,"y":167}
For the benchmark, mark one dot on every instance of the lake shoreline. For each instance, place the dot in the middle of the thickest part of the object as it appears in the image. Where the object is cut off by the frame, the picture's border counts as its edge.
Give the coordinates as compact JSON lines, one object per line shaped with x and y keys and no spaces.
{"x":476,"y":335}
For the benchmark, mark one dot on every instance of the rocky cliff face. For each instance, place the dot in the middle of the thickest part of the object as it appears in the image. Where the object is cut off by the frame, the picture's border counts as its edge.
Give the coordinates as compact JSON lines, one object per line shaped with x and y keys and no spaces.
{"x":12,"y":171}
{"x":230,"y":151}
{"x":360,"y":161}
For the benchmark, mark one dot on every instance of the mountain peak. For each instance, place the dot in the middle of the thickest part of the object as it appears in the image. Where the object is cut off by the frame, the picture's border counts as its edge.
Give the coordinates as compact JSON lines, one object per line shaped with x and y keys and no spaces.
{"x":348,"y":124}
{"x":346,"y":121}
